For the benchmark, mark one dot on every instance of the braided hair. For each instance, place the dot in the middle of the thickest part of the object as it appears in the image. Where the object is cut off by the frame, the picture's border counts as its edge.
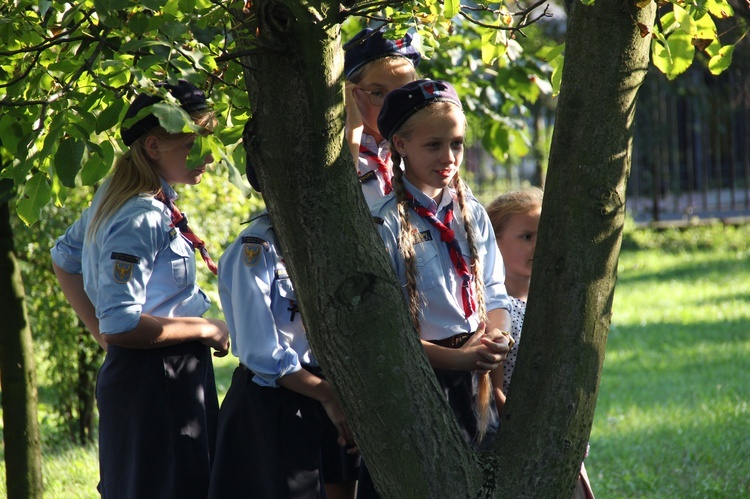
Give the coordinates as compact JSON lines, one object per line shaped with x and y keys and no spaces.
{"x":407,"y":240}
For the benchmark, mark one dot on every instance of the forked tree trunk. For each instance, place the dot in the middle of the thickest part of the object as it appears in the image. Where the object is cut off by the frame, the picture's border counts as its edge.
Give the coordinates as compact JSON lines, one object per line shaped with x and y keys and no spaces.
{"x":23,"y":455}
{"x":351,"y":302}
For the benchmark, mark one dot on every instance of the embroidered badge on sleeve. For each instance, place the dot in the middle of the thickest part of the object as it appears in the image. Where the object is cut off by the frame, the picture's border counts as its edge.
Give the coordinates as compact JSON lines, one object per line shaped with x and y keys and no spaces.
{"x":251,"y":254}
{"x":123,"y":267}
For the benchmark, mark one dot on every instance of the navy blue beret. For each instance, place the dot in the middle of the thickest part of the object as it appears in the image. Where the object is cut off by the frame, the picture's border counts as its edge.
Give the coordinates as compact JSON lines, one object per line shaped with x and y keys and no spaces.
{"x":369,"y":45}
{"x":190,"y":97}
{"x":403,"y":102}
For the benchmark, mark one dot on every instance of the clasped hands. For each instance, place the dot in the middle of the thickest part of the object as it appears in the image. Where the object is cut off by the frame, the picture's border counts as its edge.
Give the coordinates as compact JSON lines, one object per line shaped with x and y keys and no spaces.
{"x":486,"y":350}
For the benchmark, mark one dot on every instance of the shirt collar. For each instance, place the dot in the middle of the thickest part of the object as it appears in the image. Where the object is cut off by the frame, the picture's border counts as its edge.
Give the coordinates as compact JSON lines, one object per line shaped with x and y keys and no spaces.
{"x":167,"y":189}
{"x":445,"y":199}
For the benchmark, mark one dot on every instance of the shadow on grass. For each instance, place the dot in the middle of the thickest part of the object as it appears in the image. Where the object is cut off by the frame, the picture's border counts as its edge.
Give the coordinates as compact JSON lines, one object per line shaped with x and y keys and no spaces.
{"x":686,"y":272}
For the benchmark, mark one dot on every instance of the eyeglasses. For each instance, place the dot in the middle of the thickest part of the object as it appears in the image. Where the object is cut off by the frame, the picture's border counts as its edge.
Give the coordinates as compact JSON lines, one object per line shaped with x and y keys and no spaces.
{"x":376,"y":97}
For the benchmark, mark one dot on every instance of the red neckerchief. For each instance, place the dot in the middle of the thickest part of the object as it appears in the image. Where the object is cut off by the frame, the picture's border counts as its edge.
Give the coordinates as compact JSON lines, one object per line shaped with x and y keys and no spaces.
{"x":180,"y":221}
{"x":448,"y":236}
{"x":383,"y":168}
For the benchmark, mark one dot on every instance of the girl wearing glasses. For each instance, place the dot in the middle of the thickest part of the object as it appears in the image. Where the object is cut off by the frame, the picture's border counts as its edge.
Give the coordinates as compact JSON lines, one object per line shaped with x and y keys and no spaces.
{"x":374,"y":66}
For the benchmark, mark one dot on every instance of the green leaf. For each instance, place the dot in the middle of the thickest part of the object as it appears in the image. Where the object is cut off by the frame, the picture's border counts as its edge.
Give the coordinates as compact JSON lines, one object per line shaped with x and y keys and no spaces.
{"x":97,"y":167}
{"x":660,"y":56}
{"x":67,"y":161}
{"x":451,"y":8}
{"x":172,"y":118}
{"x":36,"y":194}
{"x":11,"y":133}
{"x":682,"y":52}
{"x":139,"y":23}
{"x":556,"y":78}
{"x":720,"y":8}
{"x":686,"y":22}
{"x":705,"y":28}
{"x":722,"y":60}
{"x":110,"y":116}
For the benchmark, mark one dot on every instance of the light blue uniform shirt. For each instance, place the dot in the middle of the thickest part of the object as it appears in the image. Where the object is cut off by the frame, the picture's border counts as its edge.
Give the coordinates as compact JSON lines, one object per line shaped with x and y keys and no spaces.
{"x":135,"y":264}
{"x":259,"y":305}
{"x":438,"y":283}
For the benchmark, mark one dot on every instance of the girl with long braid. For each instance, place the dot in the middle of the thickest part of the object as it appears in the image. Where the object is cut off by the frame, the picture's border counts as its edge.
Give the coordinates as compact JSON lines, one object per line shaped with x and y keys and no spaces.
{"x":444,"y":252}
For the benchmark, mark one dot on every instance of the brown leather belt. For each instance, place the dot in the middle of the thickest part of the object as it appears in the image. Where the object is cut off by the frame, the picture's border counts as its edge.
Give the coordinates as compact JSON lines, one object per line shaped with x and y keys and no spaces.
{"x":456,"y":341}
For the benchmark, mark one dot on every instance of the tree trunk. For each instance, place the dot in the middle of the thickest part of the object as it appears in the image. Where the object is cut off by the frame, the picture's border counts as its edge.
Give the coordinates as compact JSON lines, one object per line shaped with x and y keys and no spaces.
{"x":559,"y":365}
{"x":352,"y":305}
{"x":23,"y":455}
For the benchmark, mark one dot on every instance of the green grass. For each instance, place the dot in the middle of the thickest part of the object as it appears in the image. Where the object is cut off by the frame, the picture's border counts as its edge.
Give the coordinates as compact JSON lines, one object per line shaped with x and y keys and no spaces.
{"x":673,"y":415}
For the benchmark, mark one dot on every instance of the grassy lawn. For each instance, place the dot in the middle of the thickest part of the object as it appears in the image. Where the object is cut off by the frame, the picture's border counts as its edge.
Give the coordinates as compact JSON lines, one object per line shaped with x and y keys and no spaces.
{"x":673,"y":416}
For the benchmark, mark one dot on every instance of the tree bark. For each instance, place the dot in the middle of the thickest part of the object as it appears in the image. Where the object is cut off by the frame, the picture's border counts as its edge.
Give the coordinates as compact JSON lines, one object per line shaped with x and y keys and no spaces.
{"x":23,"y":456}
{"x":559,"y":364}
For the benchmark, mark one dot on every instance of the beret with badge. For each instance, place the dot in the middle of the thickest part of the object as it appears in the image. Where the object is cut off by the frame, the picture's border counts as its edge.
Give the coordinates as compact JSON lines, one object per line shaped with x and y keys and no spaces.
{"x":402,"y":103}
{"x":369,"y":45}
{"x":190,"y":97}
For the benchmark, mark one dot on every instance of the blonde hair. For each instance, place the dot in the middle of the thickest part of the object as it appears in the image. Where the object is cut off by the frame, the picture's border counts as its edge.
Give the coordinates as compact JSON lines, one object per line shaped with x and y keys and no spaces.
{"x":135,"y":173}
{"x":407,"y":240}
{"x":512,"y":203}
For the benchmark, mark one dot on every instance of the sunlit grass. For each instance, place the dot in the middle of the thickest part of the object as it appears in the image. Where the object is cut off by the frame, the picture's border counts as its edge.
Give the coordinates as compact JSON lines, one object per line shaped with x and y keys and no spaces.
{"x":673,"y":414}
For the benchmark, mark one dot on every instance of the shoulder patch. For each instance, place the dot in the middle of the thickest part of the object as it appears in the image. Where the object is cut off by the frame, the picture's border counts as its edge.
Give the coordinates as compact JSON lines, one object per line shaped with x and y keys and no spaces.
{"x":251,"y":253}
{"x":256,"y":240}
{"x":367,"y":177}
{"x":122,"y":270}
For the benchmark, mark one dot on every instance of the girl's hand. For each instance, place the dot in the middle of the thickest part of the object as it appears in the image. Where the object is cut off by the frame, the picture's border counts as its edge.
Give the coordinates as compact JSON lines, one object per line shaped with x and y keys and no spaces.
{"x":336,"y":415}
{"x":489,"y":348}
{"x":217,"y":337}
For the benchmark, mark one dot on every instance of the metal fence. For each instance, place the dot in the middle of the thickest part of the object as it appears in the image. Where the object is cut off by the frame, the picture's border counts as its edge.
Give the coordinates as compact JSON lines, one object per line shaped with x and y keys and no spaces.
{"x":691,"y":148}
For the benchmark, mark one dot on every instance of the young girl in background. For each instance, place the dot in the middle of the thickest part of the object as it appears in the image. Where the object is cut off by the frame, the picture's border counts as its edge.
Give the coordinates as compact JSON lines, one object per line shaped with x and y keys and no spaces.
{"x":373,"y":66}
{"x":515,"y":220}
{"x":444,"y":253}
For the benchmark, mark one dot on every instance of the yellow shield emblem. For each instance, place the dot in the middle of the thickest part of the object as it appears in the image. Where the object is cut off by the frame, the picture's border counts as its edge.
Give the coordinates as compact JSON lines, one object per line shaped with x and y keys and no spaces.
{"x":123,"y":271}
{"x":251,"y":254}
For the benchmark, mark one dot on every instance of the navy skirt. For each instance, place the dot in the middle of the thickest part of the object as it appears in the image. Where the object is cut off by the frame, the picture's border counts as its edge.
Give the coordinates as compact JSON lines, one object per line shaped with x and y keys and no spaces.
{"x":158,"y":412}
{"x":269,"y":443}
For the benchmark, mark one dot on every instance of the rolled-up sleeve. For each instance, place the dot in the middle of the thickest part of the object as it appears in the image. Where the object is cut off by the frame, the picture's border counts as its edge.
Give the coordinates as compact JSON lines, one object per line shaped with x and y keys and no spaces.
{"x":126,"y":258}
{"x":68,"y":249}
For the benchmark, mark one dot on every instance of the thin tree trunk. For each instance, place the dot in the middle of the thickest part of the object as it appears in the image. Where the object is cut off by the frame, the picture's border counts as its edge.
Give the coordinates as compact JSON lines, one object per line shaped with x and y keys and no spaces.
{"x":575,"y":265}
{"x":23,"y":456}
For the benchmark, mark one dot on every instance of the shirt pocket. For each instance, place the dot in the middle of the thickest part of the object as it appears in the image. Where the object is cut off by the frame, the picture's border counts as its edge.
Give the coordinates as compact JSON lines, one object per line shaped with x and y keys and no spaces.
{"x":284,"y":288}
{"x":182,"y":259}
{"x":427,"y":262}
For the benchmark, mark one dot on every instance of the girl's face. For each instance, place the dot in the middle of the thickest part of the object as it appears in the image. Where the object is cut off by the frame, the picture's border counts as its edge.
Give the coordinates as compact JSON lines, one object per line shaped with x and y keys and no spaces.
{"x":517,"y":242}
{"x":172,"y":159}
{"x":380,"y":77}
{"x":434,"y":149}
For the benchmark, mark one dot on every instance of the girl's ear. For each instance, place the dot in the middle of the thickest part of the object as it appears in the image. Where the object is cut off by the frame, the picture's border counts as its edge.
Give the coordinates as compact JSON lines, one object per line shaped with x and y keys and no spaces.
{"x":152,"y":147}
{"x":398,"y":141}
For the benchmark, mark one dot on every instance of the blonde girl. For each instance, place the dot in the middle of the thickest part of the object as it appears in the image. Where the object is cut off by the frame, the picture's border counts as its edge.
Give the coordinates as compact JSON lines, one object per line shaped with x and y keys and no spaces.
{"x":127,"y":266}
